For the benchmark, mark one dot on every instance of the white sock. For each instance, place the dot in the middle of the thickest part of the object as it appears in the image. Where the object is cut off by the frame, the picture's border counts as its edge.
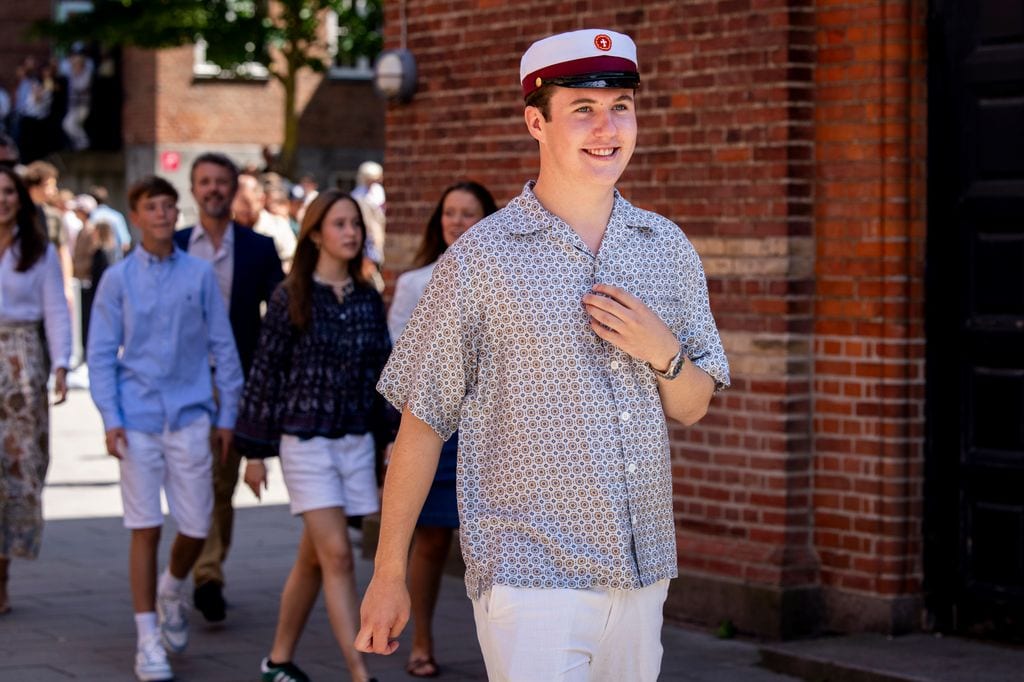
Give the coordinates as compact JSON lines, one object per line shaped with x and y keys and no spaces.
{"x":146,"y":625}
{"x":169,"y":584}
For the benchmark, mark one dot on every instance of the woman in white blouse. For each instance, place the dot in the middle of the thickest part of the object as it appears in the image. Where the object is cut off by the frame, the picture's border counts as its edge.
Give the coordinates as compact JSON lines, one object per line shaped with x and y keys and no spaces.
{"x":461,"y":205}
{"x":32,"y":304}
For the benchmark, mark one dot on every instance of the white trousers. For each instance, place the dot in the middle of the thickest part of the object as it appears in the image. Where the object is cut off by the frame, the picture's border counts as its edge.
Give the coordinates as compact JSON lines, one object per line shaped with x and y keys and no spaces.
{"x":595,"y":635}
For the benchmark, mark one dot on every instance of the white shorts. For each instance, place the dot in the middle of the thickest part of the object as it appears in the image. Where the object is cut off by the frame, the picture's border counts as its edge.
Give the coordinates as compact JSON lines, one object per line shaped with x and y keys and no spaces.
{"x":180,"y":462}
{"x":330,"y":472}
{"x":594,"y":635}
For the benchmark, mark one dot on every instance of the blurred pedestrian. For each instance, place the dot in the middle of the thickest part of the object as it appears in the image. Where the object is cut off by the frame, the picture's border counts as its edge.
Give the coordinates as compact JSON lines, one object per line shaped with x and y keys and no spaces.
{"x":96,"y":250}
{"x":72,"y":223}
{"x":296,"y":207}
{"x":41,"y":180}
{"x":8,"y":151}
{"x":35,"y":104}
{"x":460,"y":207}
{"x":369,"y":190}
{"x":31,"y":296}
{"x":78,"y":70}
{"x":247,"y":269}
{"x":310,"y":397}
{"x":370,"y":184}
{"x":277,"y":202}
{"x":106,"y":213}
{"x":249,"y":209}
{"x":5,"y":110}
{"x":158,"y":318}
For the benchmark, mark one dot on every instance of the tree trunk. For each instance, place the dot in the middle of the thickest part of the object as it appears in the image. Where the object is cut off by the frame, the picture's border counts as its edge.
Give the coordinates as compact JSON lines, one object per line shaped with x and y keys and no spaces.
{"x":290,"y":146}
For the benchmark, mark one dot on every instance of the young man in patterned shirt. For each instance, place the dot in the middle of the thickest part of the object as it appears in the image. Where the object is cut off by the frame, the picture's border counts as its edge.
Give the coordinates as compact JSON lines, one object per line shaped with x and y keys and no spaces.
{"x":557,"y":335}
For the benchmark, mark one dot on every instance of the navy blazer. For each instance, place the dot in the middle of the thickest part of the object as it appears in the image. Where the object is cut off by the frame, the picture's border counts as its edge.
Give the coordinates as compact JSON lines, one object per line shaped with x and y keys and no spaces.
{"x":257,"y":273}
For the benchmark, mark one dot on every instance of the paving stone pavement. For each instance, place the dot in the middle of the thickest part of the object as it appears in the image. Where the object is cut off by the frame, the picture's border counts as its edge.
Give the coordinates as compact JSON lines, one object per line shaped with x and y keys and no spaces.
{"x":72,"y":617}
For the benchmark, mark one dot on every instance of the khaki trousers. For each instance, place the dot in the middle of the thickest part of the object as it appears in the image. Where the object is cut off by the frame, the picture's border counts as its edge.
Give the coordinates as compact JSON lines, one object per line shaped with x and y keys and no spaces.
{"x":210,"y":565}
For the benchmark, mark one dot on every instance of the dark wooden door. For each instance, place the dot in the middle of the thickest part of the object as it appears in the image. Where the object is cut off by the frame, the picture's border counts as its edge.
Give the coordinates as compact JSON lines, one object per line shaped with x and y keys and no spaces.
{"x":974,"y":494}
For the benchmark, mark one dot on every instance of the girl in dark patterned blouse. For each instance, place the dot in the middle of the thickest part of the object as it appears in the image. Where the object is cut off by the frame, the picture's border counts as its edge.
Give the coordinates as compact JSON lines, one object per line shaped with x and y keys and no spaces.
{"x":311,"y":395}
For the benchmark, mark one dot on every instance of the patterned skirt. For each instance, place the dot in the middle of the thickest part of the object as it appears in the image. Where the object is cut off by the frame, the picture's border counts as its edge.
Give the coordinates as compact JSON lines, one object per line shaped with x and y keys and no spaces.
{"x":24,"y":438}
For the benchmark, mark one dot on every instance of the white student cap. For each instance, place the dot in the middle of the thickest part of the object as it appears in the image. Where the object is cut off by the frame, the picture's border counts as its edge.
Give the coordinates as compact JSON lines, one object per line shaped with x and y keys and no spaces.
{"x":591,"y":58}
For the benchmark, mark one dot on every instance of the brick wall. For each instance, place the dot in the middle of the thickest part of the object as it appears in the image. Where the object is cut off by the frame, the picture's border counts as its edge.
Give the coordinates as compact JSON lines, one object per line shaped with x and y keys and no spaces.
{"x":140,"y":96}
{"x":333,"y":113}
{"x":870,"y":149}
{"x":746,"y":112}
{"x":15,"y":44}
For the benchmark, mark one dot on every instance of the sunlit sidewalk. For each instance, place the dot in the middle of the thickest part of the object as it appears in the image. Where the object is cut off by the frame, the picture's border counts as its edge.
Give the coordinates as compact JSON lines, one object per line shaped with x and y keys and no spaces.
{"x":72,"y":616}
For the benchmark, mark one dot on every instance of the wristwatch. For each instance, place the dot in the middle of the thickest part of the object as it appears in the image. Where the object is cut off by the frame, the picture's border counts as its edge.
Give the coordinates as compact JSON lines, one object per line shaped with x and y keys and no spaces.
{"x":675,"y":366}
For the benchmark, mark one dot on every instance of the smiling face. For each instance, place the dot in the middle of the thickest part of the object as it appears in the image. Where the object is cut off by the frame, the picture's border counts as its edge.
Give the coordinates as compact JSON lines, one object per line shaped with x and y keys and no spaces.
{"x":341,"y":233}
{"x":589,"y":138}
{"x":9,"y":203}
{"x":461,"y":210}
{"x":155,"y":216}
{"x":213,"y":188}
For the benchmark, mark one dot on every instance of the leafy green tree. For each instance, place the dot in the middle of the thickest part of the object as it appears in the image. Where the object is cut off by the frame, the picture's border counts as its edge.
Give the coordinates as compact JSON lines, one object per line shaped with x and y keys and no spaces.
{"x":283,"y":35}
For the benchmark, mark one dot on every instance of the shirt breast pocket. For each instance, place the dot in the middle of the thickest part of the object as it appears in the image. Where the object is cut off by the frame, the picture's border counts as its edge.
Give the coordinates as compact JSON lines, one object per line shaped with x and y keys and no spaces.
{"x":672,"y":312}
{"x":191,"y":302}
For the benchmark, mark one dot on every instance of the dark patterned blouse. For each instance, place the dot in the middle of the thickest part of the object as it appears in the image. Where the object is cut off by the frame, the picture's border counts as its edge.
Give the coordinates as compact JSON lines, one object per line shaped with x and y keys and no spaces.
{"x":320,"y":382}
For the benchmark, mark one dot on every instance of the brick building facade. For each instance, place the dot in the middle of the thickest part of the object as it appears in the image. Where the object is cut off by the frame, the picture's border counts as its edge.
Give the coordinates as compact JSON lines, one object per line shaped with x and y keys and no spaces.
{"x":174,"y":110}
{"x":170,"y":111}
{"x":788,"y":139}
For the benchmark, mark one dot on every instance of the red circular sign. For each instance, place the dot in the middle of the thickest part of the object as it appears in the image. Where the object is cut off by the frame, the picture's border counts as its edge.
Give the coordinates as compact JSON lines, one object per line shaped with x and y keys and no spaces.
{"x":603,"y":42}
{"x":170,"y":161}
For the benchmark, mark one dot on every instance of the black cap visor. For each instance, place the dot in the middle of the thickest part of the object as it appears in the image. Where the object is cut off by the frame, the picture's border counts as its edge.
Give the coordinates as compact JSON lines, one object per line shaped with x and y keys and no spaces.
{"x":610,"y":79}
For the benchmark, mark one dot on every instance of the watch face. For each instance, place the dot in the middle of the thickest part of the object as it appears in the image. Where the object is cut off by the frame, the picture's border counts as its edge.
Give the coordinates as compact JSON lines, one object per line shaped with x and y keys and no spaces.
{"x":674,"y":366}
{"x":673,"y":369}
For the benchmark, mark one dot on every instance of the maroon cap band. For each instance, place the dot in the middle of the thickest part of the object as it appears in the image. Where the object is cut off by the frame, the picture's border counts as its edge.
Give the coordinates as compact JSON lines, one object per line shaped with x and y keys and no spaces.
{"x":578,"y":67}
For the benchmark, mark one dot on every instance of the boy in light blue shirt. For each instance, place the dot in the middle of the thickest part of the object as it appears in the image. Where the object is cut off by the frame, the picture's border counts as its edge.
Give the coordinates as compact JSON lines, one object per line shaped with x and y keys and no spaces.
{"x":158,"y":323}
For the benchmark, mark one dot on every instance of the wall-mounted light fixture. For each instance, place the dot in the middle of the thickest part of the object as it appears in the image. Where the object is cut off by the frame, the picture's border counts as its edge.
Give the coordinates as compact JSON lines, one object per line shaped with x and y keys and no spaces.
{"x":394,"y":75}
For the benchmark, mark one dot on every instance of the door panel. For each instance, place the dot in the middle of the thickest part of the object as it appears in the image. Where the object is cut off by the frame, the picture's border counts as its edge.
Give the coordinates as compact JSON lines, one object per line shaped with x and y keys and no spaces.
{"x":974,"y":555}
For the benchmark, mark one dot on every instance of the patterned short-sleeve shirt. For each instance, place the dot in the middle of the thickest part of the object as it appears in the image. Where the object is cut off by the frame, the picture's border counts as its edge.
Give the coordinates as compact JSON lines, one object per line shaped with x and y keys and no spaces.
{"x":564,"y":478}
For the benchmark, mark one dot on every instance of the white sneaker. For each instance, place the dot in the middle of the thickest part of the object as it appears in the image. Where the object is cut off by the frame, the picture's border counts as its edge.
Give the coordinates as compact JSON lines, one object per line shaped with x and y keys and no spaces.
{"x":172,"y":610}
{"x":151,"y":661}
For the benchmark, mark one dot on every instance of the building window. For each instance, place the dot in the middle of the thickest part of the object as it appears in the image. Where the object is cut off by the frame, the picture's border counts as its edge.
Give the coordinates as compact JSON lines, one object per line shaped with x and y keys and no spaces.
{"x":354,"y":38}
{"x":205,"y":69}
{"x":65,"y":9}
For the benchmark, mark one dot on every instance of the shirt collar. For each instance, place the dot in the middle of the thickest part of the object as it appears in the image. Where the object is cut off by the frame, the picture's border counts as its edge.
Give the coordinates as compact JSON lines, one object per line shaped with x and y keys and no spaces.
{"x":199,"y":234}
{"x":536,"y":218}
{"x":147,"y":258}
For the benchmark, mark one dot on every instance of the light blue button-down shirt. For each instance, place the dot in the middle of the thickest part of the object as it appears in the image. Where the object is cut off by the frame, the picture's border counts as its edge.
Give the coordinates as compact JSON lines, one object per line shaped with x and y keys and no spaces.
{"x":156,"y":323}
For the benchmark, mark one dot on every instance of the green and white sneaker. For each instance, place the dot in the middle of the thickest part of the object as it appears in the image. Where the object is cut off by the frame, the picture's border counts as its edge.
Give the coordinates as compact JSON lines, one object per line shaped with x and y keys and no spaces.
{"x":281,"y":672}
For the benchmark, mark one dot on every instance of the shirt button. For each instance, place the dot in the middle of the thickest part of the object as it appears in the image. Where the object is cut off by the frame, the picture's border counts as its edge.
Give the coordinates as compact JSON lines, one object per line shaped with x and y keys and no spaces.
{"x":614,"y":364}
{"x":624,"y":416}
{"x":633,"y":519}
{"x":632,"y":468}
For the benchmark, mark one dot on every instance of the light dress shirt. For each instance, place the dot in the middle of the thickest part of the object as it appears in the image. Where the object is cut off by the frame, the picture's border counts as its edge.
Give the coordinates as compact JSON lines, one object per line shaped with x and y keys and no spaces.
{"x":408,"y":290}
{"x":223,"y":259}
{"x":37,"y":294}
{"x":564,"y":473}
{"x":155,"y":323}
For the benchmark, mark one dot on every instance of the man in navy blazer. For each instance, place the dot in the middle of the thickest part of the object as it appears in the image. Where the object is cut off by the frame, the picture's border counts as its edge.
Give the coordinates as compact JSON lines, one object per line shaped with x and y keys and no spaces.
{"x":248,"y":269}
